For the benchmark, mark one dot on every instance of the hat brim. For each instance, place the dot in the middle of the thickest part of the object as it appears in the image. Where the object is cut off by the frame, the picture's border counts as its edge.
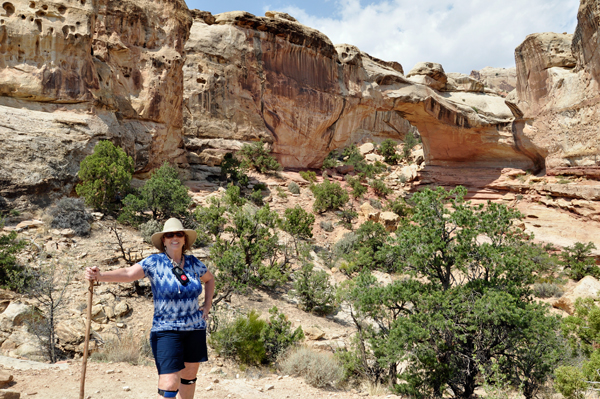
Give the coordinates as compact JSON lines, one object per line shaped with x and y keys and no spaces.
{"x":190,"y":238}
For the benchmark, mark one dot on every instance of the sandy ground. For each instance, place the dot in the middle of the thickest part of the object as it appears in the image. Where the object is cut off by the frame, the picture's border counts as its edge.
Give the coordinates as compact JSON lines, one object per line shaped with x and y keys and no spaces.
{"x":122,"y":380}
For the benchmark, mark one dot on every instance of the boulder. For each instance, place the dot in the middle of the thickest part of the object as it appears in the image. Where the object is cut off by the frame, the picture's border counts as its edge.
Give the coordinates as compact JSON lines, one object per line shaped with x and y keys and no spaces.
{"x":374,"y":157}
{"x":28,"y":224}
{"x":122,"y":309}
{"x":432,"y":70}
{"x":366,"y":148}
{"x":313,"y":333}
{"x":17,"y":314}
{"x":461,"y":82}
{"x":369,"y":212}
{"x":587,"y":287}
{"x":390,"y":221}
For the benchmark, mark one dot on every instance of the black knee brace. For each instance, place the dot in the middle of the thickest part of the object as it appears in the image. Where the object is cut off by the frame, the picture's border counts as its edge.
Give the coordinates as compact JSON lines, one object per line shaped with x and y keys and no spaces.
{"x":188,"y":382}
{"x":167,"y":394}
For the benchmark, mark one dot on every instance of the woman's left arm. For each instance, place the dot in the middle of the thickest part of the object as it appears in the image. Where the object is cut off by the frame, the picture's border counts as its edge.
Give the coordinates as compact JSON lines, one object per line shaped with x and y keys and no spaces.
{"x":209,"y":289}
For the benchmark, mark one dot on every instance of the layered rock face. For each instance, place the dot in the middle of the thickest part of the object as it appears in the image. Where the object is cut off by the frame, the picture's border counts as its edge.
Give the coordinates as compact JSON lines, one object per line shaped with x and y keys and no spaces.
{"x":558,"y":93}
{"x":75,"y":72}
{"x":503,"y":80}
{"x":250,"y":77}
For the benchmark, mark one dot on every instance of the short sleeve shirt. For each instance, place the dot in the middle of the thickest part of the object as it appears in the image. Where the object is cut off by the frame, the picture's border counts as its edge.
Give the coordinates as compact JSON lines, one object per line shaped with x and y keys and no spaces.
{"x":176,"y":306}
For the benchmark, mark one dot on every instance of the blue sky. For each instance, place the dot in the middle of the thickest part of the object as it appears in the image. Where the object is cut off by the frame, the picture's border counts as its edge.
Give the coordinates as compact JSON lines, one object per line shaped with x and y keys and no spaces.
{"x":462,"y":35}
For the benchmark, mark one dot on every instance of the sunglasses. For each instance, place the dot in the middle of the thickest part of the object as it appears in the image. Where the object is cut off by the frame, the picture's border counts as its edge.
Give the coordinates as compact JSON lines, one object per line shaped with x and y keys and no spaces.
{"x":178,"y":234}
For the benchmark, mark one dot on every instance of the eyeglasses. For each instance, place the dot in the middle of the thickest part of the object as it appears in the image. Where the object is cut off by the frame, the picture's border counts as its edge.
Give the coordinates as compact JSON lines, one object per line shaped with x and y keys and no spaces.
{"x":178,"y":234}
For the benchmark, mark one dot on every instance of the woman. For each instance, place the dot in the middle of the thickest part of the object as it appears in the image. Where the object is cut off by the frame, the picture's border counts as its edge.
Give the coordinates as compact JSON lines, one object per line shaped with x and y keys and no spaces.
{"x":178,"y":335}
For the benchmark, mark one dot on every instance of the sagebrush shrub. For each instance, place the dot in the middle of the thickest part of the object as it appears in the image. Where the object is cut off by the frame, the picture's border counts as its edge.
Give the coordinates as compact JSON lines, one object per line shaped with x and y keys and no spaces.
{"x":313,"y":289}
{"x":547,"y":290}
{"x":346,"y":244}
{"x":70,"y":213}
{"x":375,"y":203}
{"x":328,"y":196}
{"x":105,"y":176}
{"x":125,"y":348}
{"x":319,"y":369}
{"x":294,"y":188}
{"x":326,"y":225}
{"x":149,"y":228}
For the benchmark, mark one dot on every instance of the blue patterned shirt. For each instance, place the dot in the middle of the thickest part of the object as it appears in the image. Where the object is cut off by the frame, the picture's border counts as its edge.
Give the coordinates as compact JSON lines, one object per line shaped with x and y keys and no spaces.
{"x":175,"y":306}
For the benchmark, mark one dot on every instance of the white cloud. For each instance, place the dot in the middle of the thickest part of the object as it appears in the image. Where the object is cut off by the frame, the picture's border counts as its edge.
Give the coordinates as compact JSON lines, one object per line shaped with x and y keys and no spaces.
{"x":462,"y":35}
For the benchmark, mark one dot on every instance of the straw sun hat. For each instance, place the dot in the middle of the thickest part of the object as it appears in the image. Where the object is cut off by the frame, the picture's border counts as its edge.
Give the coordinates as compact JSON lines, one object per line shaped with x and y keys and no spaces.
{"x":172,"y":225}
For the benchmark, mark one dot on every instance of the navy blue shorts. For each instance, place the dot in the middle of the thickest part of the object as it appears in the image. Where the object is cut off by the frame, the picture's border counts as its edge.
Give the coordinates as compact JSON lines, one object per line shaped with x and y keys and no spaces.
{"x":171,"y":349}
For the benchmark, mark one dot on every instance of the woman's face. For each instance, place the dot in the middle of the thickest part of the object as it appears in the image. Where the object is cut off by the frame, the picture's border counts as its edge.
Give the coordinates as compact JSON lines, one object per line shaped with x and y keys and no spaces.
{"x":174,"y":241}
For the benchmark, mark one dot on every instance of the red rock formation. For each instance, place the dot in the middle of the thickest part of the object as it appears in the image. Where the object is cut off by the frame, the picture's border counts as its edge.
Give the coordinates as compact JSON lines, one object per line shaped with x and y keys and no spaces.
{"x":251,"y":77}
{"x":77,"y":72}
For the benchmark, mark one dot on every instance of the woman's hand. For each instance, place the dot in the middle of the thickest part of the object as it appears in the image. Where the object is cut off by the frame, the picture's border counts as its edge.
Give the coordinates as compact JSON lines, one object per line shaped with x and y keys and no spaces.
{"x":92,"y":273}
{"x":205,"y":311}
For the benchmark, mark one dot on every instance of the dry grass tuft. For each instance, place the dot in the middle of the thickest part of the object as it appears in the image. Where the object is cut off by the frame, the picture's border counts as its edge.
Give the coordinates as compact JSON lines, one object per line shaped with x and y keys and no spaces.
{"x":319,"y":369}
{"x":126,"y":347}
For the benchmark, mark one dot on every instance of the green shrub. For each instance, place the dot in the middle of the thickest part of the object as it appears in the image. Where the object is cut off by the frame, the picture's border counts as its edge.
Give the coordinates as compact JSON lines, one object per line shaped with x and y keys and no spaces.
{"x":9,"y":269}
{"x":328,"y":196}
{"x":380,"y":188}
{"x":298,"y":223}
{"x":105,"y":176}
{"x":319,"y":369}
{"x":409,"y":143}
{"x":313,"y":289}
{"x":309,"y":176}
{"x":326,"y":225}
{"x":399,"y":207}
{"x":281,"y":193}
{"x":331,"y":160}
{"x":150,"y":227}
{"x":347,"y":215}
{"x":232,"y":170}
{"x":210,"y":221}
{"x":578,"y":261}
{"x":70,"y":213}
{"x":547,"y":290}
{"x":240,"y":339}
{"x":256,"y":197}
{"x":358,"y":190}
{"x":253,"y":341}
{"x":277,"y":335}
{"x":163,"y":194}
{"x":294,"y":188}
{"x":388,"y":150}
{"x":255,"y":156}
{"x":570,"y":382}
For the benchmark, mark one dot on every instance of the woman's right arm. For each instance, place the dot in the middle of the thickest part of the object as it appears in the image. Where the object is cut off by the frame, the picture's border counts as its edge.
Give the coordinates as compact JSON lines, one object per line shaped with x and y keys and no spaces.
{"x":124,"y":275}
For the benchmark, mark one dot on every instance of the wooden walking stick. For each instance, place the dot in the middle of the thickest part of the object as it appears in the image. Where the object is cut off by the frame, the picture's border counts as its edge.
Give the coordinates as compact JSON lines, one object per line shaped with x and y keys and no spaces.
{"x":87,"y":338}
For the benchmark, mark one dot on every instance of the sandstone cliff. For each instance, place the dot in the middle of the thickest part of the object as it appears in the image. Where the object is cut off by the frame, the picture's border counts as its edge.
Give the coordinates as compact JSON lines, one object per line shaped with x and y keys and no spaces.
{"x":249,"y":77}
{"x":74,"y":72}
{"x":558,"y":93}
